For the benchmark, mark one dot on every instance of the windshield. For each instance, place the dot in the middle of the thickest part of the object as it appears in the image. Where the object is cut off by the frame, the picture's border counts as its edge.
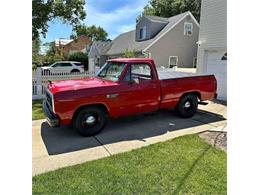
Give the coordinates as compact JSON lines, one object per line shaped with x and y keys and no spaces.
{"x":111,"y":71}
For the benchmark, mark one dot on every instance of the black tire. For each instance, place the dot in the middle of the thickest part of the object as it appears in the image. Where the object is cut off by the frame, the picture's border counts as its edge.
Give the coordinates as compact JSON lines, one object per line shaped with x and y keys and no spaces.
{"x":188,"y":105}
{"x":89,"y":128}
{"x":74,"y":71}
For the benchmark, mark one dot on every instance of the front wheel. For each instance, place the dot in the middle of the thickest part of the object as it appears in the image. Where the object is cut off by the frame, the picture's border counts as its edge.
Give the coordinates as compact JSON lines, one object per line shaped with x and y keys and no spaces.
{"x":90,"y":121}
{"x":188,"y":105}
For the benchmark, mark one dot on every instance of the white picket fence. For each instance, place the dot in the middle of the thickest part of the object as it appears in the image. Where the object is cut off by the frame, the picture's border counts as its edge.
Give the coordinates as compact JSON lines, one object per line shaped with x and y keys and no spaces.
{"x":40,"y":79}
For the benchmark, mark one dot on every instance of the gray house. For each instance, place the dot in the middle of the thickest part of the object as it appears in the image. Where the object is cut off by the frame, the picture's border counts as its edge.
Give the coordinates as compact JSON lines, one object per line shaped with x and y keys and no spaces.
{"x":169,"y":41}
{"x":97,"y":53}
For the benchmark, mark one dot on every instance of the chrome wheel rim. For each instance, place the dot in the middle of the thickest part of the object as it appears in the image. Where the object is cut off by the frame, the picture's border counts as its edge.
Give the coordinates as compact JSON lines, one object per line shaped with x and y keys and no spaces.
{"x":90,"y":120}
{"x":187,"y":105}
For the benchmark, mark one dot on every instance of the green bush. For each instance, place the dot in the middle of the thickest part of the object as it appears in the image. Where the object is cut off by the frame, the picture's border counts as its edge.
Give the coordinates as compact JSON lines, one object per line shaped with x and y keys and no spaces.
{"x":53,"y":58}
{"x":129,"y":53}
{"x":34,"y":67}
{"x":79,"y":57}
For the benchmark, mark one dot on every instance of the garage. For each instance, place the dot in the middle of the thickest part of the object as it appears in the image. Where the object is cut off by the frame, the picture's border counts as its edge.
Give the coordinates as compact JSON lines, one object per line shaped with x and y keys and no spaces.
{"x":216,"y":63}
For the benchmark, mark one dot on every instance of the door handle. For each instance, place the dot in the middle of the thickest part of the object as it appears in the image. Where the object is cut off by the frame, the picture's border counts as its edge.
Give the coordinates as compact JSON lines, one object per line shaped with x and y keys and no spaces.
{"x":114,"y":95}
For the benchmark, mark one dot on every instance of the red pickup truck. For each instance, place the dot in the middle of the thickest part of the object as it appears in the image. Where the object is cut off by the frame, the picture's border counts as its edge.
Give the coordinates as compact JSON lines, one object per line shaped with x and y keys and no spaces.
{"x":124,"y":86}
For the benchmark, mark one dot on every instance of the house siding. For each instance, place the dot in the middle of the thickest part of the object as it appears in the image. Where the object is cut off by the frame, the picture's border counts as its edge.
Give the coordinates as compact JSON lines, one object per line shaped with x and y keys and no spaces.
{"x":102,"y":60}
{"x":175,"y":43}
{"x":213,"y":29}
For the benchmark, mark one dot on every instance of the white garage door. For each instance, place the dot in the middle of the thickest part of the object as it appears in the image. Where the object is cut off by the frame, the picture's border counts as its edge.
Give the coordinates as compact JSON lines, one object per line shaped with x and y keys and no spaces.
{"x":216,"y":63}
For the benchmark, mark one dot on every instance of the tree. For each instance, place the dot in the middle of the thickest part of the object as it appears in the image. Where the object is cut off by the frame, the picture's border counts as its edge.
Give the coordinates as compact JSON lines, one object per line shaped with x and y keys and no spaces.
{"x":37,"y":58}
{"x":43,"y":11}
{"x":168,"y":8}
{"x":35,"y":50}
{"x":93,"y":32}
{"x":53,"y":54}
{"x":129,"y":53}
{"x":80,"y":57}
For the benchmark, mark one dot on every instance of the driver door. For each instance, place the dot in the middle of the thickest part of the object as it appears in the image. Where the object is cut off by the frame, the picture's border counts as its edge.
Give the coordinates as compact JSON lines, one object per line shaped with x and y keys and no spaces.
{"x":139,"y":90}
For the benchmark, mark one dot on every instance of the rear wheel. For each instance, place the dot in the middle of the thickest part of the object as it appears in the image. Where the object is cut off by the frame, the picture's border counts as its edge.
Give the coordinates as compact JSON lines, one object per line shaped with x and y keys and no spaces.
{"x":89,"y":121}
{"x":74,"y":71}
{"x":188,"y":105}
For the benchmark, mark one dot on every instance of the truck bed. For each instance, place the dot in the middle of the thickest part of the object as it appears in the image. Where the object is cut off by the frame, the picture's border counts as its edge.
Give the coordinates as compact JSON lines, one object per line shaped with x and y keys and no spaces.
{"x":173,"y":84}
{"x":171,"y":74}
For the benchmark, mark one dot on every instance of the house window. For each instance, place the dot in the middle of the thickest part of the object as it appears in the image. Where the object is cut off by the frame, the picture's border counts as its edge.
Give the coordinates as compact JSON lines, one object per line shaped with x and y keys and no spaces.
{"x":173,"y":61}
{"x":224,"y":57}
{"x":194,"y":62}
{"x":142,"y":32}
{"x":188,"y":27}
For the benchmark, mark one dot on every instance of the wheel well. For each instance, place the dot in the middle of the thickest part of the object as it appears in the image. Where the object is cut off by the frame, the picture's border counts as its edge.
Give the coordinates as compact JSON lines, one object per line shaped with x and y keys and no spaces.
{"x":76,"y":70}
{"x":101,"y":106}
{"x":192,"y":92}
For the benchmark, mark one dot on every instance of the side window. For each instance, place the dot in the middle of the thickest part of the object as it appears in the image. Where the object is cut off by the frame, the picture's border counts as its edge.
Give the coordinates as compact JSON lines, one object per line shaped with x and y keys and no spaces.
{"x":56,"y":65}
{"x":65,"y":65}
{"x":188,"y":27}
{"x":128,"y":74}
{"x":140,"y":71}
{"x":78,"y":63}
{"x":142,"y":33}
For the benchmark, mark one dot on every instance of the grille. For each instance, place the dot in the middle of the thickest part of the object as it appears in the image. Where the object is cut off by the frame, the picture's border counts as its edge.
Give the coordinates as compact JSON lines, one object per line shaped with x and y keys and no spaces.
{"x":49,"y":98}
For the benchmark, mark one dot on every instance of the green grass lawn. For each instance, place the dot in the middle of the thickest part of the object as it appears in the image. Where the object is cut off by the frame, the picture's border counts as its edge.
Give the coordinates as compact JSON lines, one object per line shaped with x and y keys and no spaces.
{"x":185,"y":165}
{"x":37,"y":112}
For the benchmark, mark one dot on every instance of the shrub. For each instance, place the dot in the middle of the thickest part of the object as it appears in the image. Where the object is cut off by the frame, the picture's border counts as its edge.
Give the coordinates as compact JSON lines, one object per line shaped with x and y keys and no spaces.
{"x":34,"y":67}
{"x":129,"y":53}
{"x":79,"y":57}
{"x":53,"y":58}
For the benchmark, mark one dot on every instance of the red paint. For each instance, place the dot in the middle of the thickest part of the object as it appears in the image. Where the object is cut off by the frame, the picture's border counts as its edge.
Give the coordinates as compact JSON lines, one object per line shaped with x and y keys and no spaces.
{"x":147,"y":96}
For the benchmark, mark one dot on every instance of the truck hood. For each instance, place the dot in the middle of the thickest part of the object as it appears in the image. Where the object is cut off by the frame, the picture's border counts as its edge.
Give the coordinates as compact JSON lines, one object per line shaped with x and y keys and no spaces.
{"x":75,"y":84}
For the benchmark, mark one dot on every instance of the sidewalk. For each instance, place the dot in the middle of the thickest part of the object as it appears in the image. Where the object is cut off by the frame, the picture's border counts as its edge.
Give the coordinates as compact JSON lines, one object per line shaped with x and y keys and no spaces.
{"x":55,"y":148}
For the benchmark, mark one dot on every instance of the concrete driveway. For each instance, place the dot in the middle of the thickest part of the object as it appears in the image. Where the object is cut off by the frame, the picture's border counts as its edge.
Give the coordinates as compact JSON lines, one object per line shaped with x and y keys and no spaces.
{"x":54,"y":148}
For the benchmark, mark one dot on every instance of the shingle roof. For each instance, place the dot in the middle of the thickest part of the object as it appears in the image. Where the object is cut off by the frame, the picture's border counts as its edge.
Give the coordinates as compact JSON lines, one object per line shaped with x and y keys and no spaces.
{"x":127,"y":40}
{"x":103,"y":46}
{"x":157,"y":18}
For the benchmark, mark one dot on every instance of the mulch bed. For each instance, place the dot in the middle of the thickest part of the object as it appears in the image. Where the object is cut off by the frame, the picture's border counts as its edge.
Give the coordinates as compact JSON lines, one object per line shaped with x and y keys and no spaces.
{"x":215,"y":138}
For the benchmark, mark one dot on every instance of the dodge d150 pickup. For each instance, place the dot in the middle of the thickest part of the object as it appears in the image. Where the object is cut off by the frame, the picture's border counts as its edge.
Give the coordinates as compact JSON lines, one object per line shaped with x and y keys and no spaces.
{"x":124,"y":86}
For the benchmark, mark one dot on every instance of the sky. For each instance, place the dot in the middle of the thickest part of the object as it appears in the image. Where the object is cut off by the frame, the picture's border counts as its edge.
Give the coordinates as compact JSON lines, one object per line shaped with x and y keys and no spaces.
{"x":115,"y":16}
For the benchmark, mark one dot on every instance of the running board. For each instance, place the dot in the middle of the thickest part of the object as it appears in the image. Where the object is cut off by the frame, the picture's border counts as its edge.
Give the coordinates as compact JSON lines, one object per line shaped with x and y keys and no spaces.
{"x":203,"y":103}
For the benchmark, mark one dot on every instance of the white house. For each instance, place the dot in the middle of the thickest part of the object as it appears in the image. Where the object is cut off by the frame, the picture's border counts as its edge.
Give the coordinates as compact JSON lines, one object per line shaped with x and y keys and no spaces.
{"x":212,"y":44}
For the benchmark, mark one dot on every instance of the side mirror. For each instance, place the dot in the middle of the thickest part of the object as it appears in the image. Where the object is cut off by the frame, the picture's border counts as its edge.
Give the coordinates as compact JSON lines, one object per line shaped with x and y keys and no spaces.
{"x":135,"y":81}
